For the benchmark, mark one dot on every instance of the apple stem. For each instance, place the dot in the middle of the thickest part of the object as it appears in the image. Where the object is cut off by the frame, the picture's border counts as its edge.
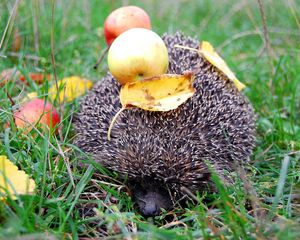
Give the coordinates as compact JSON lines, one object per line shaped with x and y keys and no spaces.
{"x":112,"y":123}
{"x":101,"y":57}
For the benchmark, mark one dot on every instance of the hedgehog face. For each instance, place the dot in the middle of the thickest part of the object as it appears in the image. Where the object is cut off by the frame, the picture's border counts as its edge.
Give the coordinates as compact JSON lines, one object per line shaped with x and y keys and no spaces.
{"x":151,"y":198}
{"x":169,"y":150}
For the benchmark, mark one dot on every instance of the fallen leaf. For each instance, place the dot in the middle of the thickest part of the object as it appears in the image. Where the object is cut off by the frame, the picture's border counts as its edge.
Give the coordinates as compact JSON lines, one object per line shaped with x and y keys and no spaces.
{"x":29,"y":96}
{"x":207,"y":50}
{"x":70,"y":88}
{"x":161,"y":93}
{"x":13,"y":181}
{"x":36,"y":77}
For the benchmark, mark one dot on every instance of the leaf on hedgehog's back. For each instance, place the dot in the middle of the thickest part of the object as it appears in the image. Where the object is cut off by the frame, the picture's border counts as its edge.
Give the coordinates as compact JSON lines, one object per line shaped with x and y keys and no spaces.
{"x":13,"y":181}
{"x":160,"y":93}
{"x":207,"y":50}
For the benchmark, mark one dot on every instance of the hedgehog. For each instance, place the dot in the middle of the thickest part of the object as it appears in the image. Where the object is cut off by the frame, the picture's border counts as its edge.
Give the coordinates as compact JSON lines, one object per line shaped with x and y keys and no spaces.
{"x":161,"y":154}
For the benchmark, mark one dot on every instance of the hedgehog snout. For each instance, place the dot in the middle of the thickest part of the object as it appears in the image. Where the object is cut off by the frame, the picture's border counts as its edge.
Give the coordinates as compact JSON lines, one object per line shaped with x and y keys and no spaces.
{"x":149,"y":208}
{"x":151,"y":200}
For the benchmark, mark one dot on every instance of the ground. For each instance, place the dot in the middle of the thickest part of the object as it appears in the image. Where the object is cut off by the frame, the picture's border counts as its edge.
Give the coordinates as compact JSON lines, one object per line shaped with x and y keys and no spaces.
{"x":259,"y":43}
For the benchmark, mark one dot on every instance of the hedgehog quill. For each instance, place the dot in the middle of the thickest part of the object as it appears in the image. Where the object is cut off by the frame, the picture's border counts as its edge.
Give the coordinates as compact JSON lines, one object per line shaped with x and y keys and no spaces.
{"x":161,"y":153}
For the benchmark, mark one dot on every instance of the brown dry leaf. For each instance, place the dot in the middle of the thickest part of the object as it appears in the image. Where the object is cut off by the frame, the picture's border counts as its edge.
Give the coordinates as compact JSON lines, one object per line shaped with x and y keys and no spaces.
{"x":16,"y":41}
{"x":161,"y":93}
{"x":13,"y":181}
{"x":207,"y":50}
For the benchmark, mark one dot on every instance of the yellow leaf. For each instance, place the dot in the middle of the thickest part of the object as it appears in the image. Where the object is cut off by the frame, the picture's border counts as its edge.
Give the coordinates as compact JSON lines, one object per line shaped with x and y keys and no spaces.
{"x":70,"y":88}
{"x":13,"y":181}
{"x":161,"y":93}
{"x":207,"y":50}
{"x":29,"y":96}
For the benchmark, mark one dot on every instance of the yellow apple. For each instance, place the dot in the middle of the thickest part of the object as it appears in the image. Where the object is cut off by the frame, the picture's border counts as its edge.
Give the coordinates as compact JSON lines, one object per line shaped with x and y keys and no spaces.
{"x":137,"y":54}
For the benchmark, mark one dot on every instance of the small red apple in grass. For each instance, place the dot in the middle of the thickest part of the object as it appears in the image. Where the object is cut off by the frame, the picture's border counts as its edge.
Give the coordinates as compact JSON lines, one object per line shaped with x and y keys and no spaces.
{"x":122,"y":19}
{"x":7,"y":75}
{"x":36,"y":111}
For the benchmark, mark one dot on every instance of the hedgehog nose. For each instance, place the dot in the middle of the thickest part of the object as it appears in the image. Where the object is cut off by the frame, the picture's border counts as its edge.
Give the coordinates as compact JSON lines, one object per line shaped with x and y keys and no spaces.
{"x":150,"y":210}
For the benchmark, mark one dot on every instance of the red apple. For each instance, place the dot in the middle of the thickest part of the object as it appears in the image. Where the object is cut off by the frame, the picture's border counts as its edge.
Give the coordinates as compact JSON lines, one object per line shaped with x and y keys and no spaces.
{"x":122,"y":19}
{"x":7,"y":75}
{"x":36,"y":111}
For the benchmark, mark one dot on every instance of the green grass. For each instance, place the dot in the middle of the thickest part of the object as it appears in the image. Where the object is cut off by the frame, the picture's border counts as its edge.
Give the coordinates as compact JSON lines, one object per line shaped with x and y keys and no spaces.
{"x":264,"y":202}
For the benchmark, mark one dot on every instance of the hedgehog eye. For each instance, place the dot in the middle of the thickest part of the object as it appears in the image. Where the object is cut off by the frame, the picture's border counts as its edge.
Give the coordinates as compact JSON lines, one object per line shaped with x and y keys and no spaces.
{"x":201,"y":176}
{"x":138,"y":190}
